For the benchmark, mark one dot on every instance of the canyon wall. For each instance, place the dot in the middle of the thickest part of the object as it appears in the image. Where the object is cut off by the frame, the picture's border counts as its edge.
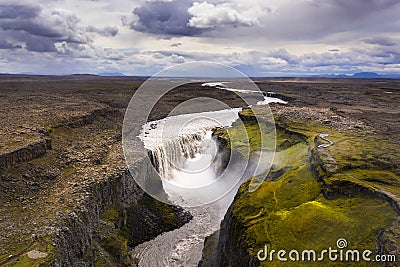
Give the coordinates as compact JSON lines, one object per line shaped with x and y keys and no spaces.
{"x":302,"y":198}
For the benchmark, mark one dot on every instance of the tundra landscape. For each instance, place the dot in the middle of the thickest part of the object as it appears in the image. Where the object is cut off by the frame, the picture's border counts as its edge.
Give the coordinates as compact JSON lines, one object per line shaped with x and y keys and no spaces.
{"x":67,"y":198}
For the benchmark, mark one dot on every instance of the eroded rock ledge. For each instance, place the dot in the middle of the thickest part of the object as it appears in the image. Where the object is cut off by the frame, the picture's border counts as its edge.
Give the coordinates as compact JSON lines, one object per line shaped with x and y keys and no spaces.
{"x":117,"y":215}
{"x":88,"y":210}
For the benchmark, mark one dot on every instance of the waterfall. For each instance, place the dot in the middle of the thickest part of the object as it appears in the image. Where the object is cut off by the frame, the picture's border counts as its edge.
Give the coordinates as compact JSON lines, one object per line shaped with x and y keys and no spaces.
{"x":175,"y":141}
{"x":172,"y":154}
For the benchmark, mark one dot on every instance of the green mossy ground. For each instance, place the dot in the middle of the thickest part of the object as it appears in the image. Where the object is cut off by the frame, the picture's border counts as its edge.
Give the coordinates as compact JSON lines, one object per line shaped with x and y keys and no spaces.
{"x":292,"y":211}
{"x":122,"y":228}
{"x":112,"y":248}
{"x":42,"y":245}
{"x":247,"y":138}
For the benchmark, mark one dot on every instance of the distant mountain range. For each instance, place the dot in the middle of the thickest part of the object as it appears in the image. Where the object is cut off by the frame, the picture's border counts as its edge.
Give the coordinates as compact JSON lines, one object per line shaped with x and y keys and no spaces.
{"x":363,"y":75}
{"x":111,"y":74}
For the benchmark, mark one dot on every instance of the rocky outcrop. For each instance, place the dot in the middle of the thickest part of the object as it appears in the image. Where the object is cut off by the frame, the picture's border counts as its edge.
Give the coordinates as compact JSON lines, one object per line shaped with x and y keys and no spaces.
{"x":389,"y":243}
{"x":349,"y":189}
{"x":78,"y":230}
{"x":37,"y":148}
{"x":143,"y":218}
{"x":80,"y":121}
{"x":26,"y":153}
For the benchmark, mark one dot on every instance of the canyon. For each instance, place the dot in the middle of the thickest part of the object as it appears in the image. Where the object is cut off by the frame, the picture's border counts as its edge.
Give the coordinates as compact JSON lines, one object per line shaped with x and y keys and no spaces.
{"x":66,"y":191}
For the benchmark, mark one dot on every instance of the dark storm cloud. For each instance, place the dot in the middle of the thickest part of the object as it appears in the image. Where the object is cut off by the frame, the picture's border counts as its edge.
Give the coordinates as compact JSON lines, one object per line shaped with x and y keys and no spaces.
{"x":18,"y":11}
{"x":187,"y":17}
{"x":41,"y":29}
{"x":297,"y":20}
{"x":31,"y":27}
{"x":382,"y":41}
{"x":6,"y":45}
{"x":40,"y":44}
{"x":107,"y":31}
{"x":169,"y":18}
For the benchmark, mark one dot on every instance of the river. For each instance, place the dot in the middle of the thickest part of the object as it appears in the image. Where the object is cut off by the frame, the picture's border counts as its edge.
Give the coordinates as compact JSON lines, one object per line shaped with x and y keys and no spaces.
{"x":183,"y":246}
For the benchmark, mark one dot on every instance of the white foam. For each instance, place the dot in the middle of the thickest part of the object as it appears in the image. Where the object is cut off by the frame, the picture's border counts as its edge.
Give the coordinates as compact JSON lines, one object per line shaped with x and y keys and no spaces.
{"x":242,"y":91}
{"x":268,"y":100}
{"x":216,"y":84}
{"x":155,"y":133}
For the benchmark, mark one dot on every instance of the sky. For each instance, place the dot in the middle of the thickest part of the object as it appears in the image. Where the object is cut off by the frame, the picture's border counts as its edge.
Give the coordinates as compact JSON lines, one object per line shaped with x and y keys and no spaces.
{"x":258,"y":37}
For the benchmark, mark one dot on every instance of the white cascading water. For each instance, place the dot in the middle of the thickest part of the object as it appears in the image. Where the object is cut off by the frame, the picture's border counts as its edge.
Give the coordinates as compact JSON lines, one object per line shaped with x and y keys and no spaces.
{"x":183,"y":246}
{"x":196,"y":170}
{"x":178,"y":143}
{"x":173,"y":153}
{"x":186,"y":156}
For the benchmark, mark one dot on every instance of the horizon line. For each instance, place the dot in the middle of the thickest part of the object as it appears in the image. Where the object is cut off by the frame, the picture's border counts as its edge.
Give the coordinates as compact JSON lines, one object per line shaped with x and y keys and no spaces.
{"x":358,"y":75}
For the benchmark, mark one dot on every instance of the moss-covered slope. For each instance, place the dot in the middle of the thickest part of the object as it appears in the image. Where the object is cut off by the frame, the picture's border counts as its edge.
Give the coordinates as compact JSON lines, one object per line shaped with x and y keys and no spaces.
{"x":317,"y":195}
